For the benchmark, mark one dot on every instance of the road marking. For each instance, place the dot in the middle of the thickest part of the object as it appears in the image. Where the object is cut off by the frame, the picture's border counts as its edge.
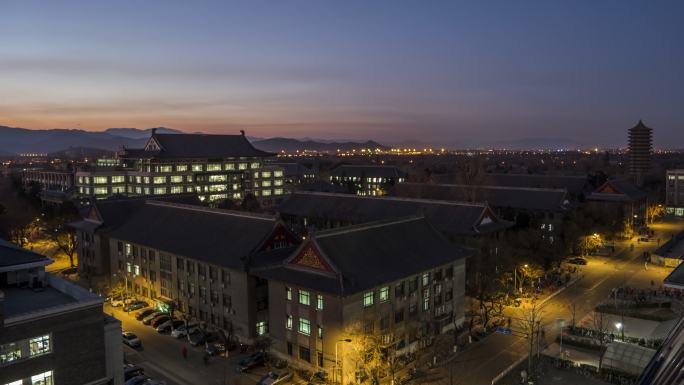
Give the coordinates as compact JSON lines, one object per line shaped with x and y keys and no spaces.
{"x":598,"y":283}
{"x":166,"y":373}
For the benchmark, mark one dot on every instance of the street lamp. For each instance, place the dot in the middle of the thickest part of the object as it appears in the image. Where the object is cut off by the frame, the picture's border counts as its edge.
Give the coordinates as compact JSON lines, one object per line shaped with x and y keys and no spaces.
{"x":515,"y":275}
{"x":620,"y":328}
{"x":337,"y":362}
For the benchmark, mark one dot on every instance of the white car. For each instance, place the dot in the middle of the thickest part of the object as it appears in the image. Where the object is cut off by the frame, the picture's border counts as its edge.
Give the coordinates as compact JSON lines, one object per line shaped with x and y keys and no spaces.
{"x":131,"y":339}
{"x":182,"y":331}
{"x":117,"y":302}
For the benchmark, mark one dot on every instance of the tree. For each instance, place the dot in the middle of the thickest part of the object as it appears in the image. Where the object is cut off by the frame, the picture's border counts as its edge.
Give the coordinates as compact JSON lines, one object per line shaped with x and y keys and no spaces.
{"x":250,"y":203}
{"x":530,"y":325}
{"x":573,"y":313}
{"x":601,"y":328}
{"x":66,"y":242}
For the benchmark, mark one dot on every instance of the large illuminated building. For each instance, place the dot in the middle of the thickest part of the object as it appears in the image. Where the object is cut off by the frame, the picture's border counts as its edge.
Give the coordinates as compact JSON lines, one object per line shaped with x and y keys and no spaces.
{"x":674,"y":192}
{"x":51,"y":330}
{"x":215,"y":167}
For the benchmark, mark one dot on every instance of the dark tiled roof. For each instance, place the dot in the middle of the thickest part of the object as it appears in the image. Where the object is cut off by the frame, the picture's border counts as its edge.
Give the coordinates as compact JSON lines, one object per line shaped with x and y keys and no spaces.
{"x":372,"y":254}
{"x":220,"y":237}
{"x":453,"y":218}
{"x":518,"y":198}
{"x":367,"y":171}
{"x":200,"y":146}
{"x":575,"y":185}
{"x":626,"y":191}
{"x":676,"y":277}
{"x":11,"y":254}
{"x":323,"y":186}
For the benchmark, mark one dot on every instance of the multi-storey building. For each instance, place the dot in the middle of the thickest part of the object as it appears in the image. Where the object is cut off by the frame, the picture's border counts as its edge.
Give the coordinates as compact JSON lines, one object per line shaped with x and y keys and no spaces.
{"x":215,"y":167}
{"x":338,"y":285}
{"x":52,"y":331}
{"x":640,"y":149}
{"x":56,"y":186}
{"x":367,"y":179}
{"x":185,"y":258}
{"x":674,"y":192}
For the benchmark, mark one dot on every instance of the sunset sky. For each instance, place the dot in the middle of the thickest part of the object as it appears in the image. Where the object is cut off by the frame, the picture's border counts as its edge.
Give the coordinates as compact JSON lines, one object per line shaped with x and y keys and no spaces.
{"x":387,"y":70}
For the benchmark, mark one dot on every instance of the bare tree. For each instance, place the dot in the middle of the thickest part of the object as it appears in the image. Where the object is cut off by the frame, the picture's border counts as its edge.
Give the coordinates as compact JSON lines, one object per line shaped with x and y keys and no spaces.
{"x":530,"y":325}
{"x":573,"y":313}
{"x":601,"y":329}
{"x":66,"y":242}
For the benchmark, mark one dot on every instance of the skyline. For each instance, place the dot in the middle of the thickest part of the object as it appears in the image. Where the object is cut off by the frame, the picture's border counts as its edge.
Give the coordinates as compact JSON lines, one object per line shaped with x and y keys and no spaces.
{"x":384,"y":71}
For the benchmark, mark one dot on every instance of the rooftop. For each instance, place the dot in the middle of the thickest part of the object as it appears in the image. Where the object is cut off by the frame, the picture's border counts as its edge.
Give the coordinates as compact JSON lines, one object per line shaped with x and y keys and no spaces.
{"x":13,"y":255}
{"x":574,"y":184}
{"x":454,"y":218}
{"x":190,"y":146}
{"x":363,"y":170}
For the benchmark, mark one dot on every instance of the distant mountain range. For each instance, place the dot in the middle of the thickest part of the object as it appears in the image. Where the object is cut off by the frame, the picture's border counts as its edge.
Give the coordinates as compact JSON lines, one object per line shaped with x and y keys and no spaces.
{"x":70,"y":142}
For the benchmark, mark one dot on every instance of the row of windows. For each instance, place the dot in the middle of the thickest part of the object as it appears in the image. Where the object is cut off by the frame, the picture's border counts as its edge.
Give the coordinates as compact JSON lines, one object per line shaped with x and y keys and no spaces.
{"x":304,"y":326}
{"x":198,"y":167}
{"x":30,"y":348}
{"x":268,"y":174}
{"x":305,"y":298}
{"x":44,"y":378}
{"x":369,"y":297}
{"x":267,"y":192}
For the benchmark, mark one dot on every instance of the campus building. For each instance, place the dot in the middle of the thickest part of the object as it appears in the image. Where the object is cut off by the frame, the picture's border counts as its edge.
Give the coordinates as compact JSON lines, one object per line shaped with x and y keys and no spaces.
{"x":391,"y":285}
{"x":215,"y":167}
{"x":367,"y":179}
{"x":621,"y":199}
{"x":674,"y":192}
{"x":188,"y":259}
{"x":52,"y":331}
{"x":640,"y":150}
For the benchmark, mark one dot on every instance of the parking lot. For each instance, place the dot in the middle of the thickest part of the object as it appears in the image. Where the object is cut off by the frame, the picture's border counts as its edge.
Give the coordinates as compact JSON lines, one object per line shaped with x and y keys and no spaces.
{"x":161,"y":355}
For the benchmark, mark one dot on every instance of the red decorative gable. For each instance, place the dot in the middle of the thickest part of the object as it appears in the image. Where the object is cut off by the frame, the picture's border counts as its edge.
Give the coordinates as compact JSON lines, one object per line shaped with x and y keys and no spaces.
{"x":310,"y":257}
{"x":279,"y":238}
{"x":93,"y":214}
{"x":608,"y":189}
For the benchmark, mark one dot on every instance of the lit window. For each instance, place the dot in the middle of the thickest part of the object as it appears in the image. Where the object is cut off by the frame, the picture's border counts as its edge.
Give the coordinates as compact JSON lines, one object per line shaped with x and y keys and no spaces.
{"x":320,"y":332}
{"x":277,"y":173}
{"x":266,"y":193}
{"x":368,"y":299}
{"x":42,"y":379}
{"x":159,"y":190}
{"x":176,"y":189}
{"x":278,"y":191}
{"x":266,"y":183}
{"x":17,"y":382}
{"x":426,"y":279}
{"x":278,"y":182}
{"x":10,"y":352}
{"x":100,"y":180}
{"x":196,"y":167}
{"x":214,"y":167}
{"x":319,"y":302}
{"x":39,"y":345}
{"x":230,"y":166}
{"x":177,"y":179}
{"x":288,"y":292}
{"x":182,"y":167}
{"x":100,"y":190}
{"x":242,"y":166}
{"x":164,"y":168}
{"x":159,"y":180}
{"x":304,"y":326}
{"x":266,"y":174}
{"x":255,"y":165}
{"x":304,"y":297}
{"x":261,"y":328}
{"x":288,"y":323}
{"x":118,"y":179}
{"x":384,"y":294}
{"x":136,"y":269}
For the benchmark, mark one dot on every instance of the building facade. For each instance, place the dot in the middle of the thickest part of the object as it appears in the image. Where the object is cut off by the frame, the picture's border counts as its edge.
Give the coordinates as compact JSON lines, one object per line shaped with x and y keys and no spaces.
{"x":215,"y":167}
{"x":674,"y":192}
{"x":367,"y":179}
{"x":52,"y":331}
{"x":640,"y":150}
{"x":187,"y":259}
{"x":336,"y":287}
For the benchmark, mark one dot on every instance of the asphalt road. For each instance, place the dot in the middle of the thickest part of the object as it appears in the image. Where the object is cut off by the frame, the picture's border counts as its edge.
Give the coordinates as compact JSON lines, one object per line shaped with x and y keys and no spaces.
{"x":161,"y":357}
{"x":479,"y":365}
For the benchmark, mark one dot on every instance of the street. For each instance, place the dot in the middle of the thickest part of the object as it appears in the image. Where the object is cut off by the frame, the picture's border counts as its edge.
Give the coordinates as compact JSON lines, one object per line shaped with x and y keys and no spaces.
{"x":161,"y":357}
{"x":480,"y":364}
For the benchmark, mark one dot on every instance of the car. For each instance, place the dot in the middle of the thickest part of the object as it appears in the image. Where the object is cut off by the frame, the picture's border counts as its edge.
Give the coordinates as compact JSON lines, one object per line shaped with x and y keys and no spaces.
{"x":577,"y":261}
{"x":273,"y":378}
{"x":131,"y":371}
{"x":196,"y":338}
{"x":117,"y":302}
{"x":214,"y":349}
{"x":131,"y":339}
{"x":160,"y":320}
{"x":644,"y":239}
{"x":137,"y":380}
{"x":147,"y":320}
{"x":135,"y":305}
{"x":169,"y":325}
{"x":251,"y":361}
{"x":182,"y":331}
{"x":139,"y":315}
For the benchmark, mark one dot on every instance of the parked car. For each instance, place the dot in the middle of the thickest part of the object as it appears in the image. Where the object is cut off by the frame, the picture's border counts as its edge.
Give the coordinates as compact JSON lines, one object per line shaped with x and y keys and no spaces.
{"x":135,"y":305}
{"x":147,"y":320}
{"x":644,"y":239}
{"x":131,"y":339}
{"x":131,"y":371}
{"x":169,"y":325}
{"x":116,"y":302}
{"x":214,"y":349}
{"x":182,"y":331}
{"x":160,"y":320}
{"x":273,"y":378}
{"x":196,"y":338}
{"x":137,"y":380}
{"x":251,"y":361}
{"x":139,"y":315}
{"x":577,"y":261}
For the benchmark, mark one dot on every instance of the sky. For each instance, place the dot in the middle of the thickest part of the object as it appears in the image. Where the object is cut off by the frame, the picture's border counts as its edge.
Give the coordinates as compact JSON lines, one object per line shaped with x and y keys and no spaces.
{"x":434,"y":71}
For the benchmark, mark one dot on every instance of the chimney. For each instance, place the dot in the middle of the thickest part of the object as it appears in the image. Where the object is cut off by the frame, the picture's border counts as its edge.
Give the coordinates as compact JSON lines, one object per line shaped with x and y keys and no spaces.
{"x":154,"y":130}
{"x":242,"y":132}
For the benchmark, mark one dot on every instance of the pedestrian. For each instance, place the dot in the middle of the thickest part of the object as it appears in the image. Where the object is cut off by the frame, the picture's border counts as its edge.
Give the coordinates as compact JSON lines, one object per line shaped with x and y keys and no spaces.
{"x":185,"y":352}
